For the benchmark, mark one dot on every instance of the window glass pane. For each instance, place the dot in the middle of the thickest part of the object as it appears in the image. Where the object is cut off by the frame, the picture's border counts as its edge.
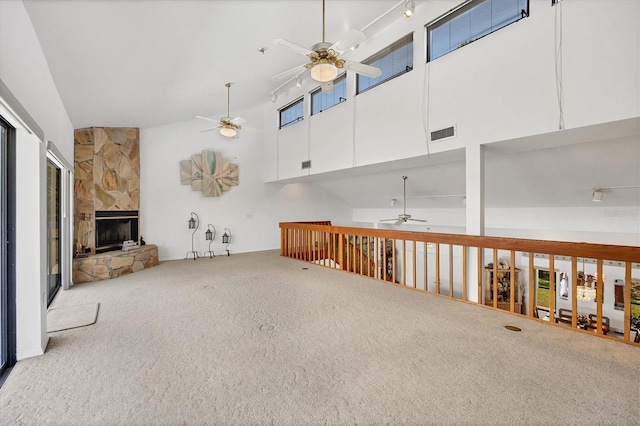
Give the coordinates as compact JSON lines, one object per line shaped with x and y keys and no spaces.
{"x":320,"y":100}
{"x":395,"y":60}
{"x":475,"y":20}
{"x":292,"y":113}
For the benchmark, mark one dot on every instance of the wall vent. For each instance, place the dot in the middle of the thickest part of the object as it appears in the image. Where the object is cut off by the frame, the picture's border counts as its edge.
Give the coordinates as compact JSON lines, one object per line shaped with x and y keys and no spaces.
{"x":306,"y":164}
{"x":443,"y":133}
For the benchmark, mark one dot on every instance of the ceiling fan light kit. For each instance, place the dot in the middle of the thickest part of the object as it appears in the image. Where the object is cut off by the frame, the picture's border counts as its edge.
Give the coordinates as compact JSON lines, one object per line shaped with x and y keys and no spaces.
{"x":324,"y":57}
{"x":228,"y":132}
{"x":324,"y":72}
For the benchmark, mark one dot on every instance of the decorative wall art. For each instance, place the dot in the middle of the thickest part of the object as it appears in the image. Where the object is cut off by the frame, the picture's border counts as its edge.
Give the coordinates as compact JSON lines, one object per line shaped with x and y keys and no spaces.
{"x":209,"y":172}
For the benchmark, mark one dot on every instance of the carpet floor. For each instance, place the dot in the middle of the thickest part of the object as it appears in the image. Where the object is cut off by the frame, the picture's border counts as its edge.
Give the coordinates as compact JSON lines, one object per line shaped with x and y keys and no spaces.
{"x":257,"y":339}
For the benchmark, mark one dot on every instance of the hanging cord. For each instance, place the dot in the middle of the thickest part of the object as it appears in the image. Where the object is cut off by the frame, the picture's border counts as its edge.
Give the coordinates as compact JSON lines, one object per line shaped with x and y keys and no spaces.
{"x":425,"y":105}
{"x":558,"y":62}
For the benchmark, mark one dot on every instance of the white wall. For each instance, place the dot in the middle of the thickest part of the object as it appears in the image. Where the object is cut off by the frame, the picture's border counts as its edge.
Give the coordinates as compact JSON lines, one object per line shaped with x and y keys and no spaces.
{"x":500,"y":87}
{"x":24,"y":70}
{"x":606,"y":225}
{"x":251,"y":210}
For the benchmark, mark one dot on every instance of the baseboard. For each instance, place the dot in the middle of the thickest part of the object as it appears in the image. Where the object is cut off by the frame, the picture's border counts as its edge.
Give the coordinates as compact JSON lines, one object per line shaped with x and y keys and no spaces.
{"x":30,"y":354}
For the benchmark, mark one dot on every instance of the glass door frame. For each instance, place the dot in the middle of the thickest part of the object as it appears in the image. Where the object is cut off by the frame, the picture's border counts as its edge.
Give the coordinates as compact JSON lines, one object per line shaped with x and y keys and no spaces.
{"x":7,"y":252}
{"x":66,"y":207}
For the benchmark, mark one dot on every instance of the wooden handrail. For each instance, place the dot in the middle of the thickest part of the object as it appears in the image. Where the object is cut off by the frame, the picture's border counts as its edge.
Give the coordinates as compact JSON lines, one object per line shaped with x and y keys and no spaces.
{"x":588,"y":250}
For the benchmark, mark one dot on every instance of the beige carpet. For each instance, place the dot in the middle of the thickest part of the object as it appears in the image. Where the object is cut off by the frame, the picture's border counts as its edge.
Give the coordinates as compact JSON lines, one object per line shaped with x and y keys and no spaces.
{"x":255,"y":339}
{"x":59,"y":319}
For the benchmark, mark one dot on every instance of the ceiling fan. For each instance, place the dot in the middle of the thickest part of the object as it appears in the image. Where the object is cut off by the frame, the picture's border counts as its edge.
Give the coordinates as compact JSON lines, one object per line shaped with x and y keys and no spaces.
{"x":325,"y":59}
{"x":228,"y":126}
{"x":404,"y":217}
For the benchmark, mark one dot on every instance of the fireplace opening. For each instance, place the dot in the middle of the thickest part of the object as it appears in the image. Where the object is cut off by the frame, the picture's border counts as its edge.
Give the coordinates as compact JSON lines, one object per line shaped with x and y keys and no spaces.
{"x":115,"y":227}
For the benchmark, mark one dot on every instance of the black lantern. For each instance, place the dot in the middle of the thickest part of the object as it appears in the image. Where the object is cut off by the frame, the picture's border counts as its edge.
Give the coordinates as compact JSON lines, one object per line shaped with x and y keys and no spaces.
{"x":210,"y":235}
{"x":194,"y":223}
{"x":226,"y":238}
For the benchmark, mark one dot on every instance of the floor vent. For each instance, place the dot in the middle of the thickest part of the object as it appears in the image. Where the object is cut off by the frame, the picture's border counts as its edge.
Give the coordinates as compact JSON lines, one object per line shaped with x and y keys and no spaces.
{"x":443,"y":133}
{"x":306,"y":164}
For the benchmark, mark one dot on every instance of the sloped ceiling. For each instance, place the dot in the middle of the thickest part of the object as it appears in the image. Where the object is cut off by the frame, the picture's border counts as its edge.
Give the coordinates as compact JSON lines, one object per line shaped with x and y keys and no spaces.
{"x":142,"y":63}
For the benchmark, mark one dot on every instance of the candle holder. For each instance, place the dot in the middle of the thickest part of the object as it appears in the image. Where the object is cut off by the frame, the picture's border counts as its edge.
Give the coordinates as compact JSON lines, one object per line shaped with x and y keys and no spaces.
{"x":194,"y":223}
{"x":209,"y":235}
{"x":226,"y":239}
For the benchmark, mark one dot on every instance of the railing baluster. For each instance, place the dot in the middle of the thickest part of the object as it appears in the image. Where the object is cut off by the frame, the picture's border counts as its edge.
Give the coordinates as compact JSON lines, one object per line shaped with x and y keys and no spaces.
{"x":361,"y":255}
{"x":404,"y":263}
{"x":414,"y":263}
{"x":437,"y":268}
{"x":376,"y":255}
{"x":532,"y":291}
{"x":465,"y":296}
{"x":552,"y":288}
{"x":495,"y":278}
{"x":384,"y":254}
{"x":450,"y":270}
{"x":426,"y":267}
{"x":599,"y":290}
{"x":393,"y":261}
{"x":479,"y":269}
{"x":512,"y":282}
{"x":627,"y":302}
{"x":574,"y":292}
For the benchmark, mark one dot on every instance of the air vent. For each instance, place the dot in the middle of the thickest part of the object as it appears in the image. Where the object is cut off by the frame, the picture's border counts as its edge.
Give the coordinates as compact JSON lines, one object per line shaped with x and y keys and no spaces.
{"x":443,"y":133}
{"x":306,"y":164}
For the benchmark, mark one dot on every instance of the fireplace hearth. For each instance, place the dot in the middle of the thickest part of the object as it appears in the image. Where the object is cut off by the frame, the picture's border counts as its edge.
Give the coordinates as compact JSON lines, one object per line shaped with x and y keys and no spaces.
{"x":113,"y":227}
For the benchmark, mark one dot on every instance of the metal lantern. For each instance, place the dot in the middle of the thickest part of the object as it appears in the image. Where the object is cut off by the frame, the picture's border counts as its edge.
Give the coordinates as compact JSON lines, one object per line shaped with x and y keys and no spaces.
{"x":226,"y":239}
{"x":210,"y":235}
{"x":194,"y":223}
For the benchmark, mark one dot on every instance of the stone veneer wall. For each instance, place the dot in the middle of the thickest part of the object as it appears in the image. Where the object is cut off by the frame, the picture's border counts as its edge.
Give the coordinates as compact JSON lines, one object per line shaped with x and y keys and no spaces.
{"x":107,"y":176}
{"x":114,"y":264}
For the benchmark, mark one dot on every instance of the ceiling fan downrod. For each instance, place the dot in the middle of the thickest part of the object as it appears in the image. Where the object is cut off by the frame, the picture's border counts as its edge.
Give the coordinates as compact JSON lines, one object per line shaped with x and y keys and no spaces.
{"x":228,"y":100}
{"x":404,"y":195}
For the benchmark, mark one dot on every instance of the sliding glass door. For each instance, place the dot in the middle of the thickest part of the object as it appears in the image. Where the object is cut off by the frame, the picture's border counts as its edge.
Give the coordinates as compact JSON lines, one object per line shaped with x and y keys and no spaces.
{"x":53,"y":230}
{"x":7,"y":256}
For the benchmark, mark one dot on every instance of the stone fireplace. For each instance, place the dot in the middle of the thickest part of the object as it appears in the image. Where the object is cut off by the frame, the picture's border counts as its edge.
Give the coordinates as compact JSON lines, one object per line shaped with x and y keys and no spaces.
{"x":106,"y":204}
{"x":107,"y":178}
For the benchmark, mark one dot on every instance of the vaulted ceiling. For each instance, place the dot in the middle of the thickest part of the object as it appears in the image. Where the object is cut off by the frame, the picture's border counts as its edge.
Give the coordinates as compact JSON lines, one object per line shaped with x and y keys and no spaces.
{"x":144,"y":63}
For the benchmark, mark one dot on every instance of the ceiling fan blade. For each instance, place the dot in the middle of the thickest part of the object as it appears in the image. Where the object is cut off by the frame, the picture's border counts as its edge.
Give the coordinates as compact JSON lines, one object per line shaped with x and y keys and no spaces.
{"x":363,"y":69}
{"x":399,"y":222}
{"x":292,"y":46}
{"x":238,"y":121}
{"x":349,"y":40}
{"x":287,"y":73}
{"x":418,"y":220}
{"x":388,"y":220}
{"x":209,"y":129}
{"x":208,"y":119}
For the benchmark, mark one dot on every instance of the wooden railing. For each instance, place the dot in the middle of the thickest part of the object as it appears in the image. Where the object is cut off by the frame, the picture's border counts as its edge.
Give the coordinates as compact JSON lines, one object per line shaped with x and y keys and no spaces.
{"x":495,"y":272}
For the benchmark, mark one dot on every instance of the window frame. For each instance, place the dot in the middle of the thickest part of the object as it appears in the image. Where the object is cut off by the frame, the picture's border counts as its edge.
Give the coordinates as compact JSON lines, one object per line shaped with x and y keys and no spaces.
{"x":288,"y":106}
{"x":338,"y":79}
{"x":403,"y":41}
{"x":456,"y":12}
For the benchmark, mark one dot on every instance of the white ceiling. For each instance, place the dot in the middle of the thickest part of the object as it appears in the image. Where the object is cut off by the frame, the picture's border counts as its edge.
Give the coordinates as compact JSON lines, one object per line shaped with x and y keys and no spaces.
{"x":143,"y":63}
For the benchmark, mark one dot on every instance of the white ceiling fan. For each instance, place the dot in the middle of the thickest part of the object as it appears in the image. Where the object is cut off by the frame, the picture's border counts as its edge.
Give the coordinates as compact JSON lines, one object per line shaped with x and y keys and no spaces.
{"x":325,"y":59}
{"x":404,"y":217}
{"x":228,"y":126}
